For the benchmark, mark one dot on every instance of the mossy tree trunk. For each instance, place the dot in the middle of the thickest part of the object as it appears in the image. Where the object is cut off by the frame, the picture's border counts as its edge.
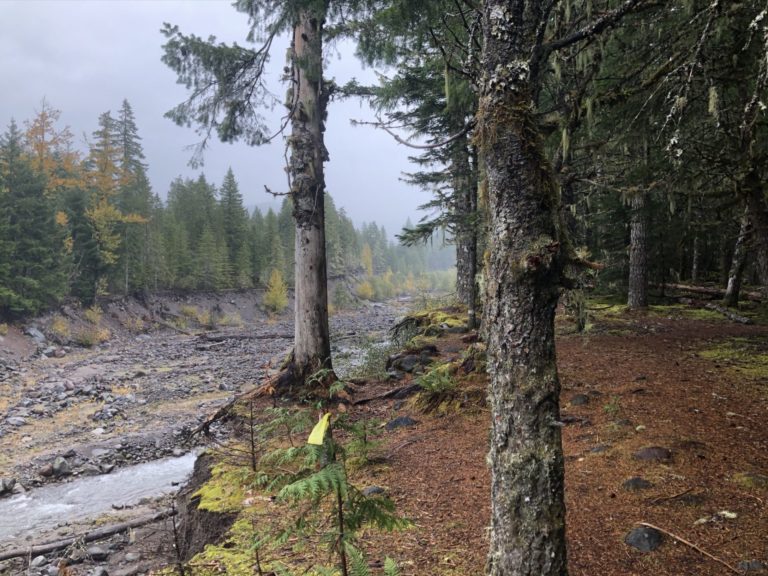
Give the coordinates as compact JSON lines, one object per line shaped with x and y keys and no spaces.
{"x":525,"y":264}
{"x":312,"y":347}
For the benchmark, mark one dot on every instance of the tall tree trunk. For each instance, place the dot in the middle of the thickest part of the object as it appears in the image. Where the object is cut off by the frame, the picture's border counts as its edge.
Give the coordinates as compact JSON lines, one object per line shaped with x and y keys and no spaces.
{"x":465,"y":189}
{"x":524,"y":272}
{"x":312,"y":347}
{"x":738,"y":261}
{"x":637,"y":296}
{"x":758,"y":220}
{"x":695,"y":257}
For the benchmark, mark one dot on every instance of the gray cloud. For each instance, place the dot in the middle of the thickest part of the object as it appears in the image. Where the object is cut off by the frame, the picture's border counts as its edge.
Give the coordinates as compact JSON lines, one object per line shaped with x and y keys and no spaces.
{"x":84,"y":57}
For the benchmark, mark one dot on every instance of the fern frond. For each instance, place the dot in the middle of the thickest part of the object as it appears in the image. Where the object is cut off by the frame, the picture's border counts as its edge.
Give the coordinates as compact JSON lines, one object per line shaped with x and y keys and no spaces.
{"x":358,"y":566}
{"x":390,"y":567}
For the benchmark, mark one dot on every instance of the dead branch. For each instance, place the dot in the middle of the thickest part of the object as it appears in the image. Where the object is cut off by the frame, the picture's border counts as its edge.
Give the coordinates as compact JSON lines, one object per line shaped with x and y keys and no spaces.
{"x":673,"y":497}
{"x":91,"y":536}
{"x":684,"y":541}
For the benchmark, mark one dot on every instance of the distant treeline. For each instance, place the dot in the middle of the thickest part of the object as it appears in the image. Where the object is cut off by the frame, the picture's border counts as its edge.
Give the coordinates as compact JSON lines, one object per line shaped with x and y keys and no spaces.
{"x":81,"y":225}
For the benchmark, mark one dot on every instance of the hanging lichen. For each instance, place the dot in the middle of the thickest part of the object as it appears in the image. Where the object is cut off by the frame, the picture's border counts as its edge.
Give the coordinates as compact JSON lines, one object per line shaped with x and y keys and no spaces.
{"x":565,"y":143}
{"x":713,"y":104}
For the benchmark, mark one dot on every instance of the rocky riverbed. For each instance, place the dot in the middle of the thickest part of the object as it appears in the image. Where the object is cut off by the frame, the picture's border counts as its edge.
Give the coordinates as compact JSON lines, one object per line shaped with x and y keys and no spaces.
{"x":68,"y":412}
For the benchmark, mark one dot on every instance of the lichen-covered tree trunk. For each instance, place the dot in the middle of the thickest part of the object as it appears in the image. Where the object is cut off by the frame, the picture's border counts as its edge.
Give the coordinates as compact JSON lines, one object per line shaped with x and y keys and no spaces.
{"x":637,"y":294}
{"x":465,"y":189}
{"x":738,"y":261}
{"x":524,"y":271}
{"x":312,"y":349}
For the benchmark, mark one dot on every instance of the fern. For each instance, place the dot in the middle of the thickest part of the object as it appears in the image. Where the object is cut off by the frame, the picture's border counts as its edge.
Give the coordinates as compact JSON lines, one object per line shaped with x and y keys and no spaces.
{"x":390,"y":567}
{"x":358,"y":565}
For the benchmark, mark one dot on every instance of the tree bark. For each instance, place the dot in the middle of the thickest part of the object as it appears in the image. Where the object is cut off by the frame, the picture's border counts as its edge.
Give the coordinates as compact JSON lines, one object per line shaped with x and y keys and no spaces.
{"x":465,"y":189}
{"x":312,"y":346}
{"x":738,"y":261}
{"x":637,"y":296}
{"x":524,"y":272}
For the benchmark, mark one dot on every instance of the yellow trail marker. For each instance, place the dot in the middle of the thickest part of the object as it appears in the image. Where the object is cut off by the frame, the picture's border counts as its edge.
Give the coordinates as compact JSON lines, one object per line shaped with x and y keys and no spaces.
{"x":318,"y":432}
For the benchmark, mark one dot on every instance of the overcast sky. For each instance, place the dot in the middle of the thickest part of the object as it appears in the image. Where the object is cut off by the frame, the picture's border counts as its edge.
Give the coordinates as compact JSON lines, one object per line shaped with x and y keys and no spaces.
{"x":85,"y":57}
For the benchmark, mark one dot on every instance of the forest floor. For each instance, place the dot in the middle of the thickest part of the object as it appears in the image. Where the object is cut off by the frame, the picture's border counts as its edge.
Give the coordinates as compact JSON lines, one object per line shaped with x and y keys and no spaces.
{"x":681,"y":380}
{"x":673,"y":378}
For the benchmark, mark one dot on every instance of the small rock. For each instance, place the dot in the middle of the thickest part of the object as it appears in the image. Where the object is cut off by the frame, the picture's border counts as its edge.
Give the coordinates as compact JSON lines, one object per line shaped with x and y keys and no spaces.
{"x":132,"y":557}
{"x":644,"y":539}
{"x":407,"y":363}
{"x":653,"y":454}
{"x":400,"y":422}
{"x":46,"y":471}
{"x":752,"y":566}
{"x":90,"y":470}
{"x":7,"y":485}
{"x":580,"y":400}
{"x":38,"y":561}
{"x":636,"y":483}
{"x":600,"y":448}
{"x":106,"y":468}
{"x":35,"y":334}
{"x":98,"y":571}
{"x":97,"y":553}
{"x":61,"y":467}
{"x":178,"y":452}
{"x":16,"y":421}
{"x":373,"y":490}
{"x":98,"y":431}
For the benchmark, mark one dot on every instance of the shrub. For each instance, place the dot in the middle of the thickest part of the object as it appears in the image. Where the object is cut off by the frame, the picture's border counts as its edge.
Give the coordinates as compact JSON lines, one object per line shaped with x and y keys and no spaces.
{"x":60,"y":328}
{"x":276,"y":298}
{"x":134,"y":324}
{"x":89,"y":337}
{"x":189,"y":311}
{"x":364,"y":290}
{"x":3,"y":329}
{"x":93,"y":315}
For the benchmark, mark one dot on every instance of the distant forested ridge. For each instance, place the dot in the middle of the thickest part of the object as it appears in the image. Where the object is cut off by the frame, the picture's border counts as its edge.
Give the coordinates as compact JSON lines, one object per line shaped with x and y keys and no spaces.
{"x":75,"y":224}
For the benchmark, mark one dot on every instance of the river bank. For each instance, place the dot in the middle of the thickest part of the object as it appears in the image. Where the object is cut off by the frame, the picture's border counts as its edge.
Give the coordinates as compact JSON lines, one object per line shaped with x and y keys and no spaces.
{"x":69,"y":414}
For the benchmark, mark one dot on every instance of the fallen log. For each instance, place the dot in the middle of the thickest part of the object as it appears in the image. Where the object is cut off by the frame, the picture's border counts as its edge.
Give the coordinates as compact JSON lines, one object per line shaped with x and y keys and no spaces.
{"x":221,"y":337}
{"x":91,"y":536}
{"x":730,"y":314}
{"x":711,"y":291}
{"x":401,"y":392}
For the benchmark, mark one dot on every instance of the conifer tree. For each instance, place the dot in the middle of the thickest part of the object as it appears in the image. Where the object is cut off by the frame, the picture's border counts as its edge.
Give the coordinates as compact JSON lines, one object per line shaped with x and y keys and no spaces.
{"x":35,"y":276}
{"x":234,"y":223}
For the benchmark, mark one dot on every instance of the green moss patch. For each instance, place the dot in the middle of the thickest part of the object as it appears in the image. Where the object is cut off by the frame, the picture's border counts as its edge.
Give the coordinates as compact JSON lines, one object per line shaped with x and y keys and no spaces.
{"x":225,"y":491}
{"x":747,"y":357}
